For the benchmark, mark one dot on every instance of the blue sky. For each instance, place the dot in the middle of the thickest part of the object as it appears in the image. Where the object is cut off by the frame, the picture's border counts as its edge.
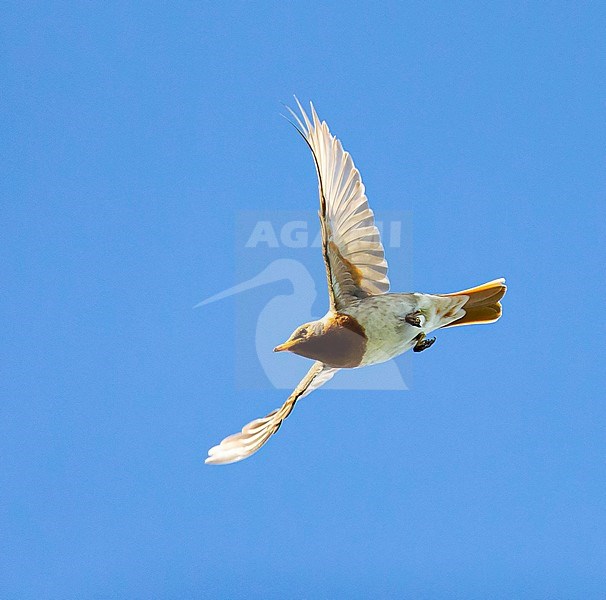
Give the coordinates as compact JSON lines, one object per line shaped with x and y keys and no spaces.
{"x":132,"y":137}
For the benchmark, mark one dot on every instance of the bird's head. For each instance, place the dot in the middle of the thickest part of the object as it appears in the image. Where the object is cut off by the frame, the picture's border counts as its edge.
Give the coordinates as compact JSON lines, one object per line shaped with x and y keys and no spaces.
{"x":300,"y":336}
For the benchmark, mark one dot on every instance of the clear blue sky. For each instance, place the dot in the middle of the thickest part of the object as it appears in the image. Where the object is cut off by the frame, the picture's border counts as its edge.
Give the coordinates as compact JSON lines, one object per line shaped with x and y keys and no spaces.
{"x":132,"y":135}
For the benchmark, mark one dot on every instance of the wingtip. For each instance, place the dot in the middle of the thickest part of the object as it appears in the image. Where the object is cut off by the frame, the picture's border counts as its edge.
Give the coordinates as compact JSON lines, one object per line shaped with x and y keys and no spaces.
{"x":304,"y":115}
{"x":297,"y":124}
{"x":314,"y":115}
{"x":298,"y":103}
{"x":221,"y":458}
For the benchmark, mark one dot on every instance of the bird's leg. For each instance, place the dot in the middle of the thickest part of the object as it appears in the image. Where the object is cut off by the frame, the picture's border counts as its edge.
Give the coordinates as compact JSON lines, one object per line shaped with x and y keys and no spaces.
{"x":414,"y":318}
{"x":423,"y":343}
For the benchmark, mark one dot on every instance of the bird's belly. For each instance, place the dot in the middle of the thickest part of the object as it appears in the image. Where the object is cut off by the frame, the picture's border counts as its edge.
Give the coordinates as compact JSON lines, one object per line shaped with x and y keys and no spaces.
{"x":387,"y":332}
{"x":384,"y":345}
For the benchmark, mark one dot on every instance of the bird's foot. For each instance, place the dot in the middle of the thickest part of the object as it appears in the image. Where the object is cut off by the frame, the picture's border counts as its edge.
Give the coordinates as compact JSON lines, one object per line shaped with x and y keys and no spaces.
{"x":423,"y":343}
{"x":414,"y":318}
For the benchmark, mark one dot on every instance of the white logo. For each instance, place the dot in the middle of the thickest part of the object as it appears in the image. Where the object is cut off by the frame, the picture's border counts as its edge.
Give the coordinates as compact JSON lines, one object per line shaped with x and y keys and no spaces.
{"x":275,"y":251}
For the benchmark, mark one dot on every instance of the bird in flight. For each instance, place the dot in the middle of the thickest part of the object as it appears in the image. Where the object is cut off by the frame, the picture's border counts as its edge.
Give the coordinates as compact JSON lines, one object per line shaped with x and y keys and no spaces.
{"x":365,"y":324}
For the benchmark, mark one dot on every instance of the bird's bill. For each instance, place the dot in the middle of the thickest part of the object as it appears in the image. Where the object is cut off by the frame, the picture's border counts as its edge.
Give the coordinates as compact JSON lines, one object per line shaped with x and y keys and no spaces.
{"x":285,"y":346}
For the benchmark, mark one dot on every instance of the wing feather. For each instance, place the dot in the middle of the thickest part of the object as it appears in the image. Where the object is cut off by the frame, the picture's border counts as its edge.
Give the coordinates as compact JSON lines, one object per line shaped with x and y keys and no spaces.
{"x":352,"y":249}
{"x":241,"y":445}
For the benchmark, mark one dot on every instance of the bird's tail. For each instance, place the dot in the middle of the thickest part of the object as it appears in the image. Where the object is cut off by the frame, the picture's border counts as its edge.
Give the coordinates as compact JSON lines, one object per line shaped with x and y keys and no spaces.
{"x":483,"y":305}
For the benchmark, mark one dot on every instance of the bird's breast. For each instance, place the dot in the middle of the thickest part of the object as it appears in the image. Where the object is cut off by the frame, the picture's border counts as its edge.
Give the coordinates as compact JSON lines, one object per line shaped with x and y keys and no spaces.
{"x":342,"y":343}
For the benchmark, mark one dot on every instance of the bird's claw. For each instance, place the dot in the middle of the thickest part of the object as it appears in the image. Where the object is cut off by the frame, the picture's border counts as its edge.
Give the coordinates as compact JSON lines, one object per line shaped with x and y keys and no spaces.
{"x":414,"y":318}
{"x":423,"y":344}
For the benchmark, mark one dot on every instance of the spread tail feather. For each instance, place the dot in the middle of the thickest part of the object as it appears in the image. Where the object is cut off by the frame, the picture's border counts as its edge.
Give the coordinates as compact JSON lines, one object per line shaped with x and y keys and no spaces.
{"x":483,"y":305}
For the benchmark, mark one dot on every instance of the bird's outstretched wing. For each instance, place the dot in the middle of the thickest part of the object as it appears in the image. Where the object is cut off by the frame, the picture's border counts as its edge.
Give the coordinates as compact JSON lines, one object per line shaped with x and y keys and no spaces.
{"x":351,"y":244}
{"x":242,"y":445}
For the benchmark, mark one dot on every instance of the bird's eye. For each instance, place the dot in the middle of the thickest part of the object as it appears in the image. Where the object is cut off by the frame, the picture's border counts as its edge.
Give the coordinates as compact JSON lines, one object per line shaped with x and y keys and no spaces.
{"x":302,"y":332}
